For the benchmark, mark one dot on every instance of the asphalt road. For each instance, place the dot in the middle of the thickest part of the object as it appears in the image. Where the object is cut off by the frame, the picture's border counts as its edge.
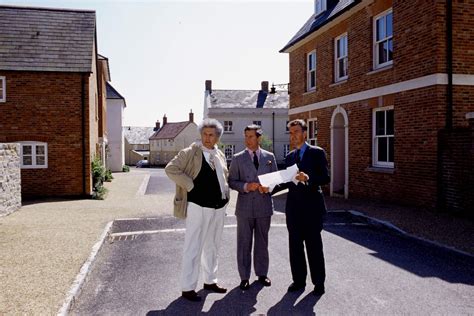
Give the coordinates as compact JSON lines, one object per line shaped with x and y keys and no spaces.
{"x":369,"y":271}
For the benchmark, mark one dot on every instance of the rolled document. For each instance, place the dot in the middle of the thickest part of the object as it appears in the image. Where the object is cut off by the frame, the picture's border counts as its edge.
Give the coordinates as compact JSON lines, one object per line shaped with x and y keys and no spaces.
{"x":272,"y":179}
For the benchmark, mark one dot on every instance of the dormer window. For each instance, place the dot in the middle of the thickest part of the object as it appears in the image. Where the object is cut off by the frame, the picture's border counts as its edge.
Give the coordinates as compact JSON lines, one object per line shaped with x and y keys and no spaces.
{"x":319,"y":6}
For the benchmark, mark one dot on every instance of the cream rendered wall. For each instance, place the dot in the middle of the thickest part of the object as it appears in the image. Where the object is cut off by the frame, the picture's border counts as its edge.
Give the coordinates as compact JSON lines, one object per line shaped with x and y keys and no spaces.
{"x":163,"y":150}
{"x":116,"y":153}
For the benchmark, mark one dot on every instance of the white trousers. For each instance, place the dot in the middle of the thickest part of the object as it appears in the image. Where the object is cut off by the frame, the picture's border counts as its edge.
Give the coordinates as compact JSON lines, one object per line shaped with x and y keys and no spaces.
{"x":204,"y":228}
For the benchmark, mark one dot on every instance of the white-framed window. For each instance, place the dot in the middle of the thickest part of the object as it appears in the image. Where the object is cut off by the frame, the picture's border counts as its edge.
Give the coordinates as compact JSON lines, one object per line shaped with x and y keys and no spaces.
{"x":340,"y":57}
{"x":227,"y":126}
{"x":312,"y":131}
{"x":229,"y":151}
{"x":311,"y":71}
{"x":259,"y":123}
{"x":3,"y":89}
{"x":383,"y":137}
{"x":319,"y":6}
{"x":33,"y":155}
{"x":383,"y":39}
{"x":286,"y":149}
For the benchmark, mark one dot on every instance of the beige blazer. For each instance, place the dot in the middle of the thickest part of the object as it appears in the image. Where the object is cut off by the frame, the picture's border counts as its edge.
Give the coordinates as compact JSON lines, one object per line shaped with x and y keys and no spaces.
{"x":182,"y":170}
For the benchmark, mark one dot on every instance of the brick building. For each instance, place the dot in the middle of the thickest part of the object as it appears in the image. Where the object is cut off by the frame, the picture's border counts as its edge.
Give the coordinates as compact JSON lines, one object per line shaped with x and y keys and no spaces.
{"x":389,"y":85}
{"x":52,"y":97}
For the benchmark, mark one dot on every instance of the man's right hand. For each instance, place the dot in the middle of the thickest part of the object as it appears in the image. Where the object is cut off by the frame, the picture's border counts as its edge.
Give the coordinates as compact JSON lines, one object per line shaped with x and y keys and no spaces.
{"x":252,"y":186}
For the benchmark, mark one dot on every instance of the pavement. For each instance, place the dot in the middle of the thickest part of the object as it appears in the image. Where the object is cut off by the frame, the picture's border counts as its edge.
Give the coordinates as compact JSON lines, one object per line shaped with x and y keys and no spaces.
{"x":45,"y":243}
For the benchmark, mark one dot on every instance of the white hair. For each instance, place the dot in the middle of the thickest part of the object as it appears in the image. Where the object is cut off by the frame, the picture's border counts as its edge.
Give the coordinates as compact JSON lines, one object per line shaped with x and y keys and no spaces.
{"x":212,"y":123}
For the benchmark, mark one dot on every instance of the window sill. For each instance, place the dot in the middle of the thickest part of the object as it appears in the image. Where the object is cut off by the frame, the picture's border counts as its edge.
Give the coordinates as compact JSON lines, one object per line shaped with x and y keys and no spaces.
{"x":381,"y":170}
{"x":337,"y":83}
{"x":309,"y":92}
{"x":228,"y":132}
{"x":377,"y":70}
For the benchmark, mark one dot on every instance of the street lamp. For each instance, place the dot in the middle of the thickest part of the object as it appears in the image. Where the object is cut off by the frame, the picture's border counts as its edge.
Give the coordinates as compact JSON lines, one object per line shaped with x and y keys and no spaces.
{"x":279,"y":85}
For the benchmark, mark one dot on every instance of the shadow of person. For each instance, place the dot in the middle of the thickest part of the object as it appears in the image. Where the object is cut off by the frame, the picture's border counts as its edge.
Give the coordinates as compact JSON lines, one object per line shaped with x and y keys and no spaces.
{"x":237,"y":302}
{"x":286,"y":306}
{"x":182,"y":306}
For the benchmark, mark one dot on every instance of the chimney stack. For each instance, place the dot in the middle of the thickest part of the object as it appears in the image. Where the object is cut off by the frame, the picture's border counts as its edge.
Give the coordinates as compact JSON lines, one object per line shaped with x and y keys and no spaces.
{"x":265,"y":86}
{"x":191,"y":116}
{"x":165,"y":120}
{"x":209,"y":85}
{"x":157,"y":125}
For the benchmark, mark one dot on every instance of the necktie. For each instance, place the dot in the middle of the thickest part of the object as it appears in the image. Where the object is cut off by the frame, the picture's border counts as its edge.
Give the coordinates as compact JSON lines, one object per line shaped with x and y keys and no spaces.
{"x":297,"y":158}
{"x":255,"y":160}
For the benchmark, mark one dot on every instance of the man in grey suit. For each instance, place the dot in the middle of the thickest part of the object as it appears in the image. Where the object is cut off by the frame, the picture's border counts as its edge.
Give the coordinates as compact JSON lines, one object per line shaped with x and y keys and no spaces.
{"x":254,"y":206}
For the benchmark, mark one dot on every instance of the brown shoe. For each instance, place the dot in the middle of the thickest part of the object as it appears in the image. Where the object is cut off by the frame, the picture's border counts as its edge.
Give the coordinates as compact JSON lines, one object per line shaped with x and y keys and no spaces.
{"x":265,"y":281}
{"x":214,"y":288}
{"x":191,"y":295}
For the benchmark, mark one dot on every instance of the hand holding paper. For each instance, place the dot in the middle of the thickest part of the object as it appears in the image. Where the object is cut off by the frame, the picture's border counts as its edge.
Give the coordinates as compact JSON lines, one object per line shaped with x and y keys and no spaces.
{"x":272,"y":179}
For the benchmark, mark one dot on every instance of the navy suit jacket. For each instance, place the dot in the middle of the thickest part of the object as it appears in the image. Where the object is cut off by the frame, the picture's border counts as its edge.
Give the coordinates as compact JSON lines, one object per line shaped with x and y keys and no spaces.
{"x":306,"y":201}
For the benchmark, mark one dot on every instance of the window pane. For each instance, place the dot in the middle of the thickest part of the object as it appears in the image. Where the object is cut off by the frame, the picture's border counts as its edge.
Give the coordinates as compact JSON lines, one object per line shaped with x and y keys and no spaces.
{"x":390,"y":149}
{"x":390,"y":49}
{"x":313,"y":79}
{"x":380,"y":29}
{"x":390,"y":128}
{"x":27,"y":150}
{"x":382,"y":57}
{"x":380,"y":123}
{"x":27,"y":161}
{"x":40,"y":150}
{"x":388,"y":20}
{"x":382,"y":149}
{"x":40,"y":160}
{"x":341,"y":68}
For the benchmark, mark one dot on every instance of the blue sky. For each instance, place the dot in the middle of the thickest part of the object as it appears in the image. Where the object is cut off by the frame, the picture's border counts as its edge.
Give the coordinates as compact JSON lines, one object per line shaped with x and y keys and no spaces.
{"x":161,"y":52}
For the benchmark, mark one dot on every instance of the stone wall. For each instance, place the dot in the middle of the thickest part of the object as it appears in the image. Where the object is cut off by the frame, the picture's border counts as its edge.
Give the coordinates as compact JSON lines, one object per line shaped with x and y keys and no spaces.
{"x":10,"y":178}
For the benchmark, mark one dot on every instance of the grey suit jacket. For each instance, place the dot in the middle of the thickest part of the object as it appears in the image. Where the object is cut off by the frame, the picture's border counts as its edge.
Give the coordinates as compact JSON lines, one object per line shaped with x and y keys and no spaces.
{"x":242,"y":170}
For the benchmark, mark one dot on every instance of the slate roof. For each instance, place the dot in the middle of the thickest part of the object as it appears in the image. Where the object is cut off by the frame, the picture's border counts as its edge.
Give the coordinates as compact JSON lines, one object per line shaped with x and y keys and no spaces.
{"x":170,"y":130}
{"x":137,"y":134}
{"x":113,"y":94}
{"x":246,"y":99}
{"x":334,"y":8}
{"x":45,"y":39}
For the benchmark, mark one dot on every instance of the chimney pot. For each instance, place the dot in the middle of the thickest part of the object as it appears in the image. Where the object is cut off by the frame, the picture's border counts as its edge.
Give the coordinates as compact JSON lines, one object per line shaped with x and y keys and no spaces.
{"x":209,"y":85}
{"x":265,"y":86}
{"x":165,"y":120}
{"x":157,"y":125}
{"x":191,"y":116}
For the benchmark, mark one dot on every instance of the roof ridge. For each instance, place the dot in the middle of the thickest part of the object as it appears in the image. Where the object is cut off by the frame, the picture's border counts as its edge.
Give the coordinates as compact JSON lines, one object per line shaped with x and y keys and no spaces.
{"x":46,"y":8}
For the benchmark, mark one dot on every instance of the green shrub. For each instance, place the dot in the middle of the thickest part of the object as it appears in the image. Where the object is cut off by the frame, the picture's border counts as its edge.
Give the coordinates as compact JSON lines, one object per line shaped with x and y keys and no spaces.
{"x":108,"y":176}
{"x":125,"y":168}
{"x":98,"y":178}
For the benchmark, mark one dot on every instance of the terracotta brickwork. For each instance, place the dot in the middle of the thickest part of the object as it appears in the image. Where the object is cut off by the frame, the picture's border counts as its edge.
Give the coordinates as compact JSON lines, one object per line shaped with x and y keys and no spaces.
{"x":47,"y":107}
{"x":419,"y":40}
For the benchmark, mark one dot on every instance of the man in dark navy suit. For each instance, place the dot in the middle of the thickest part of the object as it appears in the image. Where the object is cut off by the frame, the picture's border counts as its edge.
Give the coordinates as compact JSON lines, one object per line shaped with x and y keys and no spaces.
{"x":305,"y":209}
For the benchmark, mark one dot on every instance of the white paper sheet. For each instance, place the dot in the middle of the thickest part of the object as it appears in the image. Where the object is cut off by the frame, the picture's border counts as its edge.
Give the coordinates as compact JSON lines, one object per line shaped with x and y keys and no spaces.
{"x":272,"y":179}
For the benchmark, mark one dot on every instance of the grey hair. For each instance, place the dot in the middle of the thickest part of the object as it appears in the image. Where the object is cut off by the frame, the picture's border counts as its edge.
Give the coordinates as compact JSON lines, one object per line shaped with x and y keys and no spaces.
{"x":212,"y":123}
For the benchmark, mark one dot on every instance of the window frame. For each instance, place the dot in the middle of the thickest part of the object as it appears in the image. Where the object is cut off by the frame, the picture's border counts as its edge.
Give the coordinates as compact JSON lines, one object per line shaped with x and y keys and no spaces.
{"x":3,"y":89}
{"x":310,"y":71}
{"x":312,"y":139}
{"x":34,"y":164}
{"x":286,"y":149}
{"x":256,"y":123}
{"x":338,"y":58}
{"x":320,"y":6}
{"x":228,"y":128}
{"x":375,"y":151}
{"x":375,"y":45}
{"x":232,"y":147}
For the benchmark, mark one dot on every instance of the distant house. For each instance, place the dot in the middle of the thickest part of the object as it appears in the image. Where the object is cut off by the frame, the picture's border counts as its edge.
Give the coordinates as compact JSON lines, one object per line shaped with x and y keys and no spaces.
{"x":168,"y":140}
{"x":236,"y":109}
{"x":390,"y":87}
{"x":116,"y":143}
{"x":137,"y":145}
{"x":52,"y":97}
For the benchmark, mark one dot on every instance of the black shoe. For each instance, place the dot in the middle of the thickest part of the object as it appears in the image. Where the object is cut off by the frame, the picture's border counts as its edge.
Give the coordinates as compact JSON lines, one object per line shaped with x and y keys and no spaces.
{"x":265,"y":281}
{"x":214,"y":288}
{"x":244,"y":285}
{"x":318,"y":290}
{"x":296,"y":287}
{"x":191,"y":295}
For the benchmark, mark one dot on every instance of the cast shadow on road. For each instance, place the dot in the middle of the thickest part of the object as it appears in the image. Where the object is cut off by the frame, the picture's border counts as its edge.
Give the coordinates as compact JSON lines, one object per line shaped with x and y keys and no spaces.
{"x":412,"y":255}
{"x":238,"y":302}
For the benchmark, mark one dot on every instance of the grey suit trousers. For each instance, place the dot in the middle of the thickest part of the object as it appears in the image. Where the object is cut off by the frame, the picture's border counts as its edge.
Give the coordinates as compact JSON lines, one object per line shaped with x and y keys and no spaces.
{"x":249,"y":229}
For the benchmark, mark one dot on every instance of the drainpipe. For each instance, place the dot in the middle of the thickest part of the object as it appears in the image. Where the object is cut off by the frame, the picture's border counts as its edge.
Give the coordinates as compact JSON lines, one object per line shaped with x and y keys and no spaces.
{"x":83,"y":132}
{"x":449,"y":64}
{"x":273,"y":132}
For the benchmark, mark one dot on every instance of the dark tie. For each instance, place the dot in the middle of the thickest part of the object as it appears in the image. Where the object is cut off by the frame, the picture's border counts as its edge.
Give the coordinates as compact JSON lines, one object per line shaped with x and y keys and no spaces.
{"x":297,"y":158}
{"x":255,"y":160}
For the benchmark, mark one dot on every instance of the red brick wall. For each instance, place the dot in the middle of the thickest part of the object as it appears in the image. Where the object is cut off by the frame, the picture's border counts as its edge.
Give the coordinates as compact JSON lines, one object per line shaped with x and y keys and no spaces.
{"x":46,"y":107}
